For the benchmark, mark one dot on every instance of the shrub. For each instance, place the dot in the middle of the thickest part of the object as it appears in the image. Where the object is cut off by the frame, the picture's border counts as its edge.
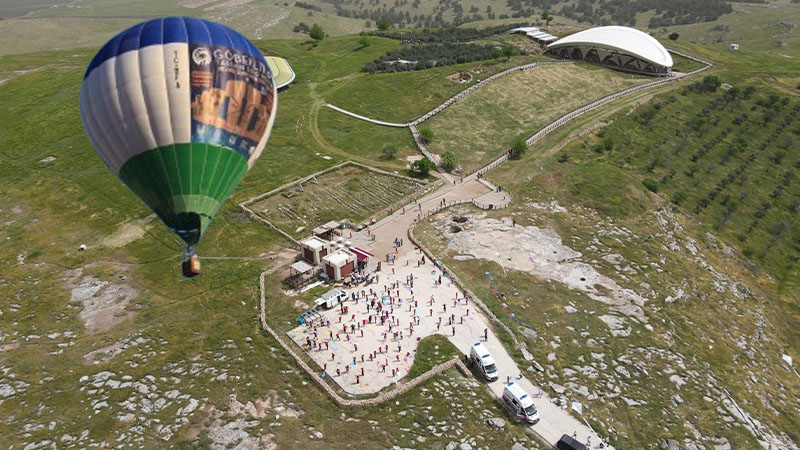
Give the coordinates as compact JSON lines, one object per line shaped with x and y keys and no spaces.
{"x":563,"y":158}
{"x":427,"y":135}
{"x":679,"y":197}
{"x":449,"y":161}
{"x":518,"y":148}
{"x":316,"y":33}
{"x":423,"y":166}
{"x":650,"y":184}
{"x":389,"y":151}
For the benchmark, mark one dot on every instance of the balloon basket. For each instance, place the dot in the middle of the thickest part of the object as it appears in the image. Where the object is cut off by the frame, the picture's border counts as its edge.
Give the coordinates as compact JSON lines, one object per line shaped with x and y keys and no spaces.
{"x":190,"y":266}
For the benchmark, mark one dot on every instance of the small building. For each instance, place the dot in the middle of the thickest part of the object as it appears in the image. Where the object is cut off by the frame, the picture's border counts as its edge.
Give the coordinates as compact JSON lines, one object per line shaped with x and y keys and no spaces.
{"x":282,"y":72}
{"x":339,"y":264}
{"x":300,"y":273}
{"x":362,"y":257}
{"x":328,"y":230}
{"x":313,"y":249}
{"x":733,"y":47}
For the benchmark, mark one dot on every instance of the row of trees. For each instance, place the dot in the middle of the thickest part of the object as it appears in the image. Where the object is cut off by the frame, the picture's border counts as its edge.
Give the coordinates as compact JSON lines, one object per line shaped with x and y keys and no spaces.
{"x":426,"y":56}
{"x":667,"y":12}
{"x":443,"y":35}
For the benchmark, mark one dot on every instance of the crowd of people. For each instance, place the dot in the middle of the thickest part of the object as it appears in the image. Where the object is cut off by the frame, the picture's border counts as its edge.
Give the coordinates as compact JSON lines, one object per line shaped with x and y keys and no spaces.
{"x":364,"y":336}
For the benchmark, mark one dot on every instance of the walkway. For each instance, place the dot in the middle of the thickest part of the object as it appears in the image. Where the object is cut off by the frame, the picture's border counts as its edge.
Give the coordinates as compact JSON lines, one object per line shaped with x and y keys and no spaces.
{"x":554,"y":420}
{"x":367,"y":119}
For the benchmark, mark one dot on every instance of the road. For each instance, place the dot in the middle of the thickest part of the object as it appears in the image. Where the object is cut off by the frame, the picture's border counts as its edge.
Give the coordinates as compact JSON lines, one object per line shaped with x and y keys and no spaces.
{"x":555,"y":421}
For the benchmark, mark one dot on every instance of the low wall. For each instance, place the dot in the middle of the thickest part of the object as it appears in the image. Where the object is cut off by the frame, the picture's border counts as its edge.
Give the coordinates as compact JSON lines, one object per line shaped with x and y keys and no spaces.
{"x":424,"y":186}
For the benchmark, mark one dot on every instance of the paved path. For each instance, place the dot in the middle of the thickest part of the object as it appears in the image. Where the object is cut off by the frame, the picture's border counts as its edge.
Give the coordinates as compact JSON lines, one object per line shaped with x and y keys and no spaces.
{"x":367,"y":119}
{"x":554,"y":420}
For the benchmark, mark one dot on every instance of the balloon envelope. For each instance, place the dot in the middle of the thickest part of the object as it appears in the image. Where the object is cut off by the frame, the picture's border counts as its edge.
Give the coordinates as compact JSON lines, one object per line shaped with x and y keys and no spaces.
{"x":179,"y":109}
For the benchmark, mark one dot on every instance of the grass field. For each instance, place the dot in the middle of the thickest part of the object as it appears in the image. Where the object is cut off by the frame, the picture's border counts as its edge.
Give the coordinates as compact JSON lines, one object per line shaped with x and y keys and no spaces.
{"x":483,"y":125}
{"x":196,"y":342}
{"x":405,"y":96}
{"x":756,"y":27}
{"x":350,"y":193}
{"x":363,"y":139}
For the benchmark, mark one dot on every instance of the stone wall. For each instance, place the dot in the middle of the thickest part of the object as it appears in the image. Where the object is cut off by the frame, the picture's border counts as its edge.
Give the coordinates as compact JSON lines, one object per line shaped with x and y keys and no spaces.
{"x":400,"y":388}
{"x":424,"y":187}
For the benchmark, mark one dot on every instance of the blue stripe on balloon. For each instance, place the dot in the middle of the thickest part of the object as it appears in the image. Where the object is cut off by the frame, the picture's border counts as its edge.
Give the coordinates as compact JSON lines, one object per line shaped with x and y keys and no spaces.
{"x":170,"y":30}
{"x":152,"y":33}
{"x":174,"y":30}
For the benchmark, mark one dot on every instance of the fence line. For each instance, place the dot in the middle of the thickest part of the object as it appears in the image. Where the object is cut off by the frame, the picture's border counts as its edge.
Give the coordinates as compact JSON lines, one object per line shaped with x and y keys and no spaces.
{"x":592,"y":105}
{"x":423,"y":187}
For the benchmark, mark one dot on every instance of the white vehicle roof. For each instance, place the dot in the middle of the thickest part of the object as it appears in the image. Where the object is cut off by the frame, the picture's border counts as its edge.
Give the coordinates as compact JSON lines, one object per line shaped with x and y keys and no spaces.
{"x":624,"y":39}
{"x":483,"y":353}
{"x":331,"y":294}
{"x":517,"y":392}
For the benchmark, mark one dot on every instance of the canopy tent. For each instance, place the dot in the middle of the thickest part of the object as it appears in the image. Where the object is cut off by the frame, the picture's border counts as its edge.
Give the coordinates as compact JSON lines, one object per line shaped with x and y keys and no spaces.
{"x":361,"y":255}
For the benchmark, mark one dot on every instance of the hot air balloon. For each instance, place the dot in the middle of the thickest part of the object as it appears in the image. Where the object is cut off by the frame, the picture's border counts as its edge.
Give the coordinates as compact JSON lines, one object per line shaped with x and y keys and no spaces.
{"x":179,"y":109}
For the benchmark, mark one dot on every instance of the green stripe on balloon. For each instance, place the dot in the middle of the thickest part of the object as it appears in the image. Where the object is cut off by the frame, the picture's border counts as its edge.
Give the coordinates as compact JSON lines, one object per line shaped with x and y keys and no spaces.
{"x":185,"y":184}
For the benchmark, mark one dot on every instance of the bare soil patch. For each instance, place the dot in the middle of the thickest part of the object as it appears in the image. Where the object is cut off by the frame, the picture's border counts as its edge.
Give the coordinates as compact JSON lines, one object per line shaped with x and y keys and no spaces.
{"x":542,"y":253}
{"x":104,"y":303}
{"x":125,"y":234}
{"x":460,"y":77}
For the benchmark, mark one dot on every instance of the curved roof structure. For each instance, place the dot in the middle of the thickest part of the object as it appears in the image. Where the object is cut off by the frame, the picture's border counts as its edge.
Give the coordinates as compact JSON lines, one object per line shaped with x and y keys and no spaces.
{"x":623,"y":39}
{"x":281,"y":70}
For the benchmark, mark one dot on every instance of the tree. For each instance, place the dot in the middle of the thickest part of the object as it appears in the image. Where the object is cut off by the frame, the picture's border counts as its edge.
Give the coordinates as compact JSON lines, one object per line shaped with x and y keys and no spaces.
{"x":423,"y":166}
{"x":546,"y":17}
{"x":364,"y":42}
{"x":426,"y":134}
{"x":711,"y":83}
{"x":316,"y":33}
{"x":497,"y":53}
{"x":384,"y":24}
{"x":389,"y":151}
{"x":674,"y":36}
{"x":679,"y":197}
{"x":508,"y":51}
{"x":449,"y":161}
{"x":518,"y":148}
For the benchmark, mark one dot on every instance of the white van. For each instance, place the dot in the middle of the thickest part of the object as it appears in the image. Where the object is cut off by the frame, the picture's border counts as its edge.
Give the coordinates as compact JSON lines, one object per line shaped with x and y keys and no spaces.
{"x":479,"y":355}
{"x":331,"y":298}
{"x":520,"y":403}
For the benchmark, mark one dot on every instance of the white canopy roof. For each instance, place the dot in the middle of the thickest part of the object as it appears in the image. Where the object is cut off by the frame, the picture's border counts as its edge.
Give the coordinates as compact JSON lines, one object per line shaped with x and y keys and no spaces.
{"x":624,"y":39}
{"x":339,"y":258}
{"x":301,"y":267}
{"x":524,"y":30}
